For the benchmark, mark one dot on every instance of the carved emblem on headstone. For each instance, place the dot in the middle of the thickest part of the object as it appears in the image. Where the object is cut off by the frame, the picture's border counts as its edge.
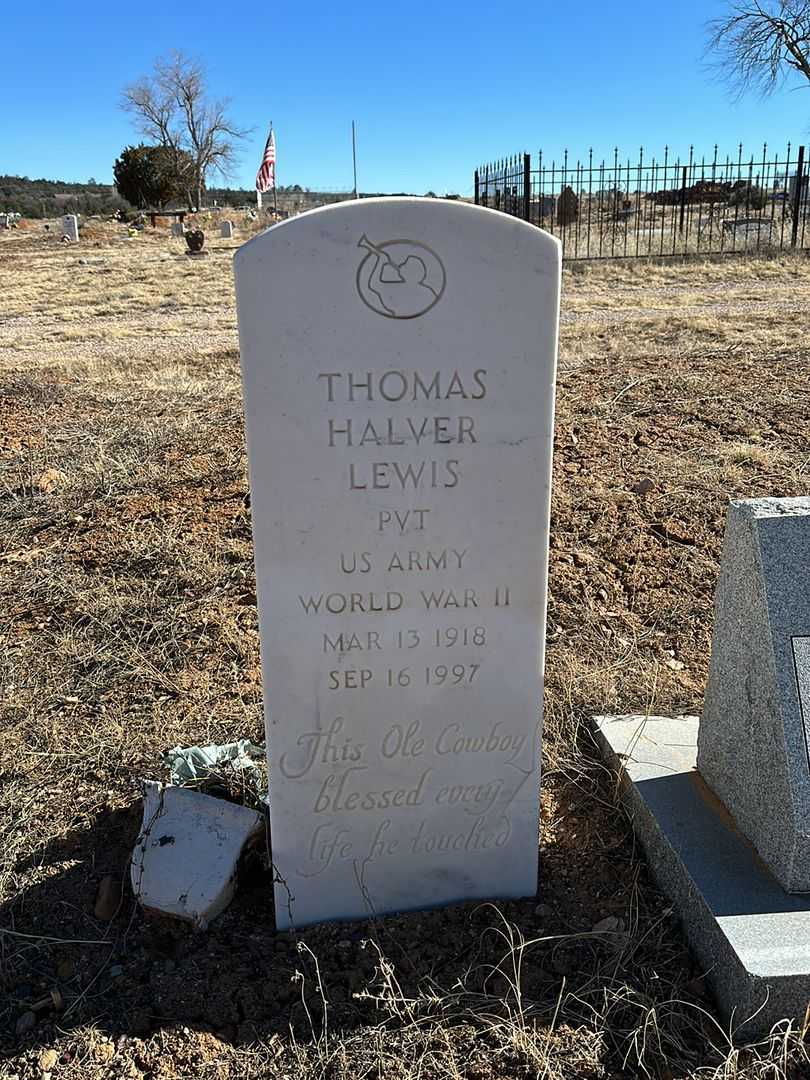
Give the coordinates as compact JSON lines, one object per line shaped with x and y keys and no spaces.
{"x":399,"y":279}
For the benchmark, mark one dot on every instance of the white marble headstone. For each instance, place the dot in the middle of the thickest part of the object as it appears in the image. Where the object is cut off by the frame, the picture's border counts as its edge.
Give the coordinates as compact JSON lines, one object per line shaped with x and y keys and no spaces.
{"x":70,"y":227}
{"x":398,"y":360}
{"x":178,"y":230}
{"x":226,"y":230}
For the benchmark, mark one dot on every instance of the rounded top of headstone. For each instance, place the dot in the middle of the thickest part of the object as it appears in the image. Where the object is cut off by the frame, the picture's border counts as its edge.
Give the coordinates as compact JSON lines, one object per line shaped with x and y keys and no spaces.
{"x":401,"y":258}
{"x":395,"y":210}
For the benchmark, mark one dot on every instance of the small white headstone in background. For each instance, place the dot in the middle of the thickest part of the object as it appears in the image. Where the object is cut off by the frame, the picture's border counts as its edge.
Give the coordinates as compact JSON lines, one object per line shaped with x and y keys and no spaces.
{"x":226,"y":230}
{"x":398,"y":360}
{"x":178,"y":229}
{"x":70,"y":227}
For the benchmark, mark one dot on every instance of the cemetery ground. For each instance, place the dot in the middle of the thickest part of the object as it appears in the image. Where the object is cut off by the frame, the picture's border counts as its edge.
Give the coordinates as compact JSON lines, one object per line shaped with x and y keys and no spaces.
{"x":128,"y":626}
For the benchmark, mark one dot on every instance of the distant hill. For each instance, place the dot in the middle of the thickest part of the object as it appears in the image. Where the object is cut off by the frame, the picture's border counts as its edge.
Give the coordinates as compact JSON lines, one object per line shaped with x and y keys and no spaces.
{"x":52,"y":198}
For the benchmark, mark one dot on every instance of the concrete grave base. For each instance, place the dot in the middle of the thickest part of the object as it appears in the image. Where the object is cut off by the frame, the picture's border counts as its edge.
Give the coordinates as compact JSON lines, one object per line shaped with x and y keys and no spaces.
{"x":750,"y":936}
{"x":184,"y":862}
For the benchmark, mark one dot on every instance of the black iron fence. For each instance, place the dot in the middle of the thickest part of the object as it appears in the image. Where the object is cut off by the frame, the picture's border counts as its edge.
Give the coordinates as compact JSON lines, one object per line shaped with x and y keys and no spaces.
{"x":618,"y":208}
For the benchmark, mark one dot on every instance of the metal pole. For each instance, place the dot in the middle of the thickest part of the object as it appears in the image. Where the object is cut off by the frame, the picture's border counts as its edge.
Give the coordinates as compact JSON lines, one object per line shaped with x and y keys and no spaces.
{"x":477,"y":189}
{"x":527,"y":188}
{"x":275,"y":175}
{"x":683,"y":200}
{"x":354,"y":157}
{"x":797,"y":197}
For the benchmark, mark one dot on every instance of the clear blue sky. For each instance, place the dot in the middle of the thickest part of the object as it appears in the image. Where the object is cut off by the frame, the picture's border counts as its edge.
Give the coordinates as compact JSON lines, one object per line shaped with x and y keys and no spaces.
{"x":435,"y":88}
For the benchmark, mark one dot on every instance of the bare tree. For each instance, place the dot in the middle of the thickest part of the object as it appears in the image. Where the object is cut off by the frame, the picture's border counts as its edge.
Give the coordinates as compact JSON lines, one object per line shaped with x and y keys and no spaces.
{"x":171,"y":106}
{"x":760,"y":43}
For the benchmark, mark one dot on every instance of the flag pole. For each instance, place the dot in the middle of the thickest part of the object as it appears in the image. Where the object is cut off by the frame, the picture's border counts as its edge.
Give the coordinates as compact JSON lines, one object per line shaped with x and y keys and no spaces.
{"x":275,"y":208}
{"x":258,"y":193}
{"x":354,"y":158}
{"x":267,"y":170}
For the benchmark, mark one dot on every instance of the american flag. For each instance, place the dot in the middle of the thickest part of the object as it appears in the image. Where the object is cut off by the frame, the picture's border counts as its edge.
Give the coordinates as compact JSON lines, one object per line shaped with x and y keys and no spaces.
{"x":266,"y":176}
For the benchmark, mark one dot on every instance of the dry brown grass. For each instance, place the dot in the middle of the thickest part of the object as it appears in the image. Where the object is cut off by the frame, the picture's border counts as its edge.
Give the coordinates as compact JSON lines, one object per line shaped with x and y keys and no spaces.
{"x":128,"y":624}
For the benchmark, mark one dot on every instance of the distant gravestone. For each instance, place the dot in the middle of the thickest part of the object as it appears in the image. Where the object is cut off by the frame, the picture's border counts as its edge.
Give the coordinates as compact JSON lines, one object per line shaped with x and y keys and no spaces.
{"x":70,"y":228}
{"x":226,"y":230}
{"x":4,"y":222}
{"x":544,"y":206}
{"x":178,"y":230}
{"x":195,"y":239}
{"x":799,"y":188}
{"x":567,"y":207}
{"x":757,"y":232}
{"x":755,"y":731}
{"x":398,"y":360}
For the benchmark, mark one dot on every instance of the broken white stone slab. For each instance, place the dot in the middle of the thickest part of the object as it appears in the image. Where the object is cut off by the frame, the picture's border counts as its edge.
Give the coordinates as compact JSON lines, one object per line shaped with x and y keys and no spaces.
{"x":184,"y":861}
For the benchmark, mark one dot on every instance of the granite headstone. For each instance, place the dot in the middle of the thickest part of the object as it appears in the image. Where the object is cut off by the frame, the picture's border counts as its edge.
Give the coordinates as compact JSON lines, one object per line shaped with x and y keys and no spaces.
{"x":728,"y":840}
{"x":755,"y":730}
